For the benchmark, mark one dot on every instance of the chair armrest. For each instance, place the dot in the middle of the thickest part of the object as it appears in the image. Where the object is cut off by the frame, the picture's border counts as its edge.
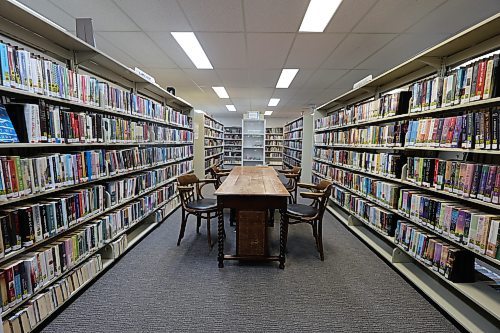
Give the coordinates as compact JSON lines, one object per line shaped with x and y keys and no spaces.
{"x":223,"y":174}
{"x":185,"y":188}
{"x":284,"y":171}
{"x":311,"y":195}
{"x":291,"y":175}
{"x":207,"y":180}
{"x":308,"y":186}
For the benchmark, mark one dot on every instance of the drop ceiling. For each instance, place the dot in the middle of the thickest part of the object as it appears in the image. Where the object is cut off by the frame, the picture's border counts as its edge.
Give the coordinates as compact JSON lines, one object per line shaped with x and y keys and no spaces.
{"x":249,"y":41}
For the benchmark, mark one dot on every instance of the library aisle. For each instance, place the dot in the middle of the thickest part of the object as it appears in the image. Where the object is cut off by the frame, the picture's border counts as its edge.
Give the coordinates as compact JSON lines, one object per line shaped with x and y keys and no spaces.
{"x":159,"y":287}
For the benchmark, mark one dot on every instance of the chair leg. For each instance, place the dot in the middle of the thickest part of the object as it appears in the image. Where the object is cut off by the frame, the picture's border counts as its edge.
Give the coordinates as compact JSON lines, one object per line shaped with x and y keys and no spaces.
{"x":183,"y":227}
{"x":320,"y":239}
{"x":209,"y":236}
{"x":198,"y":223}
{"x":315,"y":233}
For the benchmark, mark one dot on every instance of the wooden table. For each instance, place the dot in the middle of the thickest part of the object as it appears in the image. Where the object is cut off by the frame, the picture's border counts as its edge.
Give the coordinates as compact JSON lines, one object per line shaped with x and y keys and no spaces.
{"x":251,"y":191}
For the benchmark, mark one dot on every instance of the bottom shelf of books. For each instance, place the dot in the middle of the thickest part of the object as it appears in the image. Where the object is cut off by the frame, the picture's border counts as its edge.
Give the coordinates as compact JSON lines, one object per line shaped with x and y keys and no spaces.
{"x":474,"y":305}
{"x":69,"y":265}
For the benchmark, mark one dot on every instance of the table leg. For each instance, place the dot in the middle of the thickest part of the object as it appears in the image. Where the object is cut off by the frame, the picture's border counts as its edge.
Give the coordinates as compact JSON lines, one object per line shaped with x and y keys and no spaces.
{"x":220,"y":237}
{"x":232,"y":217}
{"x":283,"y":236}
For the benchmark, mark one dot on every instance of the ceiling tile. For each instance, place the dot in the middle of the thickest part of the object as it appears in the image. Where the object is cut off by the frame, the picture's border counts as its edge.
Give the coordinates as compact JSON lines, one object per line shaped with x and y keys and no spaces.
{"x":267,"y":51}
{"x":325,"y":77}
{"x":108,"y":48}
{"x":214,"y":15}
{"x":170,"y":77}
{"x":237,"y":78}
{"x":402,"y":48}
{"x":355,"y":49}
{"x":347,"y":81}
{"x":154,"y":57}
{"x":274,"y":16}
{"x":205,"y":78}
{"x":309,"y":50}
{"x":225,"y":50}
{"x":264,"y":78}
{"x":154,"y":15}
{"x":395,"y":16}
{"x":52,"y":12}
{"x":167,"y":43}
{"x":348,"y":14}
{"x":106,"y":16}
{"x":456,"y":15}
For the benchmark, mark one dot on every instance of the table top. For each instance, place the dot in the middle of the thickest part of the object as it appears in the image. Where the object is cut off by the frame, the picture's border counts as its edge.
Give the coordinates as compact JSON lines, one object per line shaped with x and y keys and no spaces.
{"x":252,"y":181}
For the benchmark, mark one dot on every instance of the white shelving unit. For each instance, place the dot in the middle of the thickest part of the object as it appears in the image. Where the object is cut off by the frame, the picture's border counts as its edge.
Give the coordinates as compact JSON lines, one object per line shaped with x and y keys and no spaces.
{"x":232,"y":146}
{"x":274,"y":146}
{"x":474,"y":305}
{"x":208,"y":143}
{"x":253,"y":143}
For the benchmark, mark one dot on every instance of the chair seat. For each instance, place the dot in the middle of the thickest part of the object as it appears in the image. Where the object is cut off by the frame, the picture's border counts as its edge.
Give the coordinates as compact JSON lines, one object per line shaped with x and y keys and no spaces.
{"x":301,"y":210}
{"x":202,"y":204}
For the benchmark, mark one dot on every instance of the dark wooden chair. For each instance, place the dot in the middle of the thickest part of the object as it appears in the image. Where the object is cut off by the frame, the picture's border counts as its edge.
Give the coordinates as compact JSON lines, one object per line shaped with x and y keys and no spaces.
{"x":217,"y":174}
{"x":311,"y":214}
{"x":193,"y":203}
{"x":293,"y":176}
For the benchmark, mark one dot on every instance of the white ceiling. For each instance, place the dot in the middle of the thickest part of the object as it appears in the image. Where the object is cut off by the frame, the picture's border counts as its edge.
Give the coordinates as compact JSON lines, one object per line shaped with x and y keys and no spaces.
{"x":249,"y":41}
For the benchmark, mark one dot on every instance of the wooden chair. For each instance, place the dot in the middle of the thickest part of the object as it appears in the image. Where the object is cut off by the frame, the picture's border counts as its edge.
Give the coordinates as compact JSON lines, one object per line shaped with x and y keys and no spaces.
{"x":193,"y":203}
{"x":311,"y":214}
{"x":293,"y":176}
{"x":217,"y":174}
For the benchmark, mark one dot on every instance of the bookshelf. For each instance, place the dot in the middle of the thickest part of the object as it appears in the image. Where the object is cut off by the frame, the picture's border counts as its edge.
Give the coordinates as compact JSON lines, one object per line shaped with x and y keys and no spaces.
{"x":292,"y":143}
{"x":232,"y":146}
{"x":393,"y":171}
{"x":274,"y":146}
{"x":97,"y":165}
{"x":209,"y":143}
{"x":253,"y":143}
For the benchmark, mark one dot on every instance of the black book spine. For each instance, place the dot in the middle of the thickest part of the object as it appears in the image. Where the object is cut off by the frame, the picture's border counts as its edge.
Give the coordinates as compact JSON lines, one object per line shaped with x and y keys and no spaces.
{"x":16,"y":115}
{"x":495,"y":80}
{"x":495,"y":118}
{"x":43,"y":120}
{"x":474,"y":79}
{"x":6,"y":233}
{"x":59,"y":215}
{"x":475,"y":181}
{"x":27,"y":227}
{"x":43,"y":219}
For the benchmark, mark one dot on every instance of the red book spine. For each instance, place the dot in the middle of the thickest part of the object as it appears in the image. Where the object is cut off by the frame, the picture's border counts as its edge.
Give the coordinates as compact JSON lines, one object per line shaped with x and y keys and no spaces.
{"x":451,"y":130}
{"x":480,"y":79}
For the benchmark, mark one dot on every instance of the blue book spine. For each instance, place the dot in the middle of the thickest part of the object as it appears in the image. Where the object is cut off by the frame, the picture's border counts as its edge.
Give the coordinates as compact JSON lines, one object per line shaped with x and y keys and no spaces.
{"x":4,"y":66}
{"x":88,"y":160}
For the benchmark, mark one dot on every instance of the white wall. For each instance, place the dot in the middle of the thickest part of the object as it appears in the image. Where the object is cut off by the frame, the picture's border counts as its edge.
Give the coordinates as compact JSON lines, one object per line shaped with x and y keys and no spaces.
{"x":270,"y":122}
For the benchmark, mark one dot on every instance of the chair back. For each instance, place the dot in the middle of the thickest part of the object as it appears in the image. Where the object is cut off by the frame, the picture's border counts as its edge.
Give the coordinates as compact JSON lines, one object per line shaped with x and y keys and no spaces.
{"x":187,"y":185}
{"x":324,"y":187}
{"x":215,"y":172}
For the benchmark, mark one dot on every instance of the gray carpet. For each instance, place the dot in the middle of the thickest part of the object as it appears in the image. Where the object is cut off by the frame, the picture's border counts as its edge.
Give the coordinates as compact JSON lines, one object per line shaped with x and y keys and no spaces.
{"x":159,"y":287}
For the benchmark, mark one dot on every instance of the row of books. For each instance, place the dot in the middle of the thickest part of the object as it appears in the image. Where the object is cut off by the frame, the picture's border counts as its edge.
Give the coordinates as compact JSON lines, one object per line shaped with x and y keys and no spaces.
{"x":231,"y":142}
{"x":275,"y":143}
{"x":162,"y":213}
{"x":273,"y":149}
{"x":472,"y":228}
{"x":296,"y":124}
{"x":389,"y":135}
{"x":274,"y":130}
{"x":213,"y":161}
{"x":213,"y":151}
{"x":384,"y":193}
{"x":40,"y":307}
{"x":25,"y":176}
{"x":384,"y":164}
{"x":457,"y":265}
{"x":293,"y":144}
{"x":274,"y":137}
{"x":273,"y":155}
{"x":27,"y":71}
{"x":213,"y":133}
{"x":467,"y":179}
{"x":232,"y":130}
{"x":290,"y":161}
{"x":41,"y":123}
{"x":472,"y":130}
{"x":232,"y":136}
{"x":366,"y":211}
{"x":476,"y":81}
{"x":31,"y":223}
{"x":386,"y":106}
{"x":296,"y":135}
{"x":292,"y":153}
{"x":213,"y":124}
{"x":117,"y":248}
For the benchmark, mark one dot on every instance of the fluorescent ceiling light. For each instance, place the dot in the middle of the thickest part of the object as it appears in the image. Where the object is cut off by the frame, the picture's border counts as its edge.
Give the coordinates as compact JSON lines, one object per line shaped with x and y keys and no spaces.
{"x":286,"y":77}
{"x":268,"y":113}
{"x":221,"y":92}
{"x":318,"y":15}
{"x":230,"y":107}
{"x":199,"y":111}
{"x":190,"y":45}
{"x":273,"y":102}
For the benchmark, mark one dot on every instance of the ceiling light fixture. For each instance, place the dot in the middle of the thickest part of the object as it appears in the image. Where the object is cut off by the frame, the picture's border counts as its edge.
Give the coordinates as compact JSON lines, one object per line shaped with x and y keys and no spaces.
{"x":221,"y":92}
{"x":268,"y":113}
{"x":230,"y":107}
{"x":286,"y":77}
{"x":193,"y":49}
{"x":273,"y":102}
{"x":318,"y":15}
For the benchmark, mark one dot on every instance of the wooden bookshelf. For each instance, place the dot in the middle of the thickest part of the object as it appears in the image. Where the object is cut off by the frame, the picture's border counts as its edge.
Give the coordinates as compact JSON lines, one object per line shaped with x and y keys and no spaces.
{"x":232,"y":146}
{"x":274,"y":146}
{"x":165,"y":113}
{"x":209,"y":144}
{"x":475,"y":306}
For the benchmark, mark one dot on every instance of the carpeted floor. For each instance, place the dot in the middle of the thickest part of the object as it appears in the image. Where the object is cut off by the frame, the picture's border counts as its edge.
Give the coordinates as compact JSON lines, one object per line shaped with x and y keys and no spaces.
{"x":159,"y":287}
